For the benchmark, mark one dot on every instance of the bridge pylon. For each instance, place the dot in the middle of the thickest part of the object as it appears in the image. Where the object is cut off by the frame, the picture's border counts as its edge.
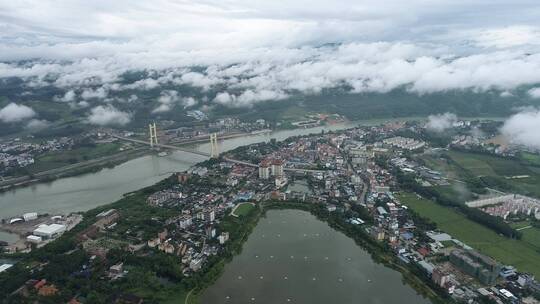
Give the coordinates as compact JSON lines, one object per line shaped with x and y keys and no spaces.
{"x":214,"y":152}
{"x":153,"y":134}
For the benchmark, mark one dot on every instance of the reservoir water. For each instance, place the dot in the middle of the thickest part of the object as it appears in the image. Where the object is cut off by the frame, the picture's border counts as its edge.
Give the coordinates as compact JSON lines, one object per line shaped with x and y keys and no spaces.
{"x":292,"y":257}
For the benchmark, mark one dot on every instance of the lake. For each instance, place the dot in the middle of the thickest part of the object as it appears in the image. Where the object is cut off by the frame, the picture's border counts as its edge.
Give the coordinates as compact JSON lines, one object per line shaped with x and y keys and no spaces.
{"x":292,"y":257}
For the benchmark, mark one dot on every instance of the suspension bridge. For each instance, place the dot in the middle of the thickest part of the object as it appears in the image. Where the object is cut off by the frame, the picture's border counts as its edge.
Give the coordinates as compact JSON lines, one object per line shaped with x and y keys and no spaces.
{"x":214,"y":151}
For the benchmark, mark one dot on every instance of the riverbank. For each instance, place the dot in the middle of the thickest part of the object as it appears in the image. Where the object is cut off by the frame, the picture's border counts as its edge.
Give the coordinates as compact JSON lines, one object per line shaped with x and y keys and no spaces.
{"x":226,"y":143}
{"x":239,"y":228}
{"x":87,"y":191}
{"x":80,"y":168}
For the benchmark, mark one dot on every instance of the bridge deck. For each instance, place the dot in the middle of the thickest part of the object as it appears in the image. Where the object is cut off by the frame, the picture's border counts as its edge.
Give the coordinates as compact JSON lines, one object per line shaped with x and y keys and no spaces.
{"x":232,"y":160}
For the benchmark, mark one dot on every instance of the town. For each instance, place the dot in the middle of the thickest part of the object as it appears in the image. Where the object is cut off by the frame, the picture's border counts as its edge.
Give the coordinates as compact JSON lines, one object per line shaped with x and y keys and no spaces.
{"x":361,"y":176}
{"x":43,"y":156}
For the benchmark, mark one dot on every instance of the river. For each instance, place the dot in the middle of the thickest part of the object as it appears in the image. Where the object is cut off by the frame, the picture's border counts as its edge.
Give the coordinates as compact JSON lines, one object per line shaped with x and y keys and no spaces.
{"x":292,"y":257}
{"x":87,"y":191}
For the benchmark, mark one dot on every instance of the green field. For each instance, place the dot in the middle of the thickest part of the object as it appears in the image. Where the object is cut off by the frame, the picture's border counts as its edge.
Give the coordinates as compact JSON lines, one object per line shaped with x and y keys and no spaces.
{"x":520,"y":224}
{"x":500,"y":167}
{"x":456,"y":191}
{"x":531,"y":234}
{"x":441,"y":165}
{"x":173,"y":294}
{"x":243,"y":209}
{"x":532,"y":159}
{"x":523,"y":254}
{"x":482,"y":164}
{"x":294,"y":113}
{"x":57,"y":159}
{"x":474,"y":164}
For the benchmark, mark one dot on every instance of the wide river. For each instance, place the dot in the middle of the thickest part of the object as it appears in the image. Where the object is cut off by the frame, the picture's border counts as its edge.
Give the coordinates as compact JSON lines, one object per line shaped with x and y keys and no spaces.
{"x":90,"y":190}
{"x":292,"y":257}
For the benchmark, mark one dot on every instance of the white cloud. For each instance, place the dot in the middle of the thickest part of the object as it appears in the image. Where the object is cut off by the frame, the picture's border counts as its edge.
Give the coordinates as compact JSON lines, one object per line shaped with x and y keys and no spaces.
{"x":14,"y":113}
{"x":199,"y":80}
{"x":365,"y":67}
{"x":132,"y":98}
{"x":99,"y":93}
{"x":522,"y":128}
{"x":162,"y":108}
{"x":188,"y":102}
{"x":534,"y":92}
{"x":248,"y":97}
{"x":506,"y":94}
{"x":441,"y":122}
{"x":510,"y":36}
{"x":69,"y":96}
{"x":166,"y":100}
{"x":144,"y":84}
{"x":223,"y":98}
{"x":79,"y":105}
{"x":37,"y":124}
{"x":108,"y":115}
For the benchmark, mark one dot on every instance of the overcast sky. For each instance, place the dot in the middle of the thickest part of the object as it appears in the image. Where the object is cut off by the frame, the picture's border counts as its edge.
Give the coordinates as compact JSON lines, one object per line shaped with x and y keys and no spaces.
{"x":264,"y":50}
{"x":204,"y":24}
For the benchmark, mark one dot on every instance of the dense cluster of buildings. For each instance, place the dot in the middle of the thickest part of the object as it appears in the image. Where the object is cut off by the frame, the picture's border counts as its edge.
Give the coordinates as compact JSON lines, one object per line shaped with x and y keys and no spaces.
{"x":351,"y":173}
{"x":18,"y":154}
{"x":339,"y":170}
{"x":404,"y":143}
{"x":507,"y":205}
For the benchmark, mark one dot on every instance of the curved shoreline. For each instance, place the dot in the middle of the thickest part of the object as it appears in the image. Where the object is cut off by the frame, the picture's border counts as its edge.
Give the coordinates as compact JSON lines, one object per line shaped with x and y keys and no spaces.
{"x":385,"y":258}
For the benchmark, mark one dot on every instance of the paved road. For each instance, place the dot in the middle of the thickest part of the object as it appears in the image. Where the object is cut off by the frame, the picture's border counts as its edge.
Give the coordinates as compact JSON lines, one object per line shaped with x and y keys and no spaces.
{"x":163,"y":145}
{"x":364,"y":184}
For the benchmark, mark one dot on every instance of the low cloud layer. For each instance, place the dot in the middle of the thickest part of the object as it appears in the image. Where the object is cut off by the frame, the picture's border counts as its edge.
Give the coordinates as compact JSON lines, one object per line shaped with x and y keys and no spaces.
{"x":37,"y":124}
{"x":243,"y":77}
{"x":14,"y":113}
{"x":534,"y":92}
{"x":108,"y":116}
{"x":441,"y":122}
{"x":523,"y":128}
{"x":166,"y":101}
{"x":169,"y":98}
